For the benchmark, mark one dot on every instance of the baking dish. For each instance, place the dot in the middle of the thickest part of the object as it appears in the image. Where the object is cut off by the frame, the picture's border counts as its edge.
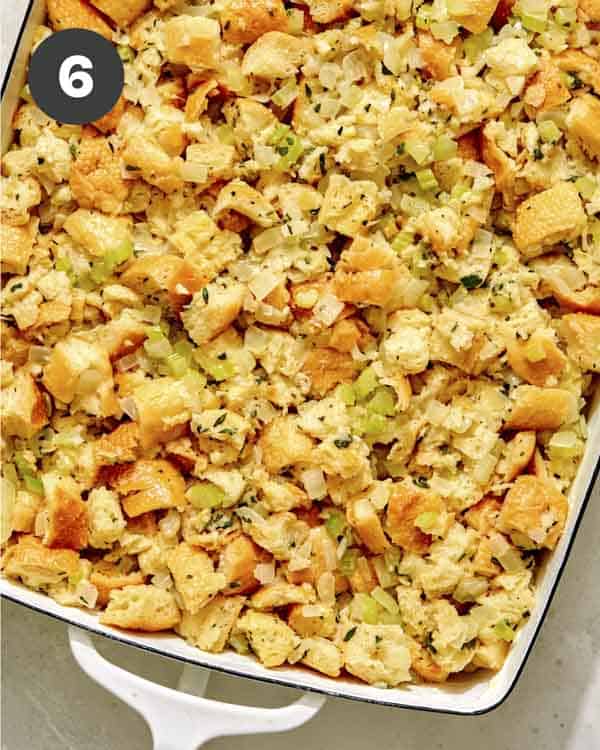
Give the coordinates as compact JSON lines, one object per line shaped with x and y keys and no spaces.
{"x":466,"y":696}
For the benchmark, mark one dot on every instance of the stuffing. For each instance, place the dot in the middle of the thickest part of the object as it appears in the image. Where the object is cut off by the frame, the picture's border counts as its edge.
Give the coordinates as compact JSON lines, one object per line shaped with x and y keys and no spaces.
{"x":193,"y":41}
{"x":269,"y":637}
{"x":204,"y":245}
{"x":163,"y":277}
{"x":244,"y":21}
{"x":222,"y":426}
{"x":149,"y":485}
{"x":536,"y":360}
{"x":96,"y":232}
{"x":210,"y":627}
{"x":76,"y":14}
{"x":237,"y":564}
{"x":326,"y":368}
{"x":312,"y":620}
{"x":534,"y":408}
{"x":145,"y":157}
{"x":591,"y":9}
{"x":214,"y":158}
{"x":581,"y":121}
{"x":363,"y":518}
{"x":65,"y":513}
{"x":119,"y":446}
{"x":212,"y":310}
{"x":122,"y":13}
{"x":24,"y":411}
{"x":275,"y":55}
{"x":547,"y":90}
{"x":17,"y":246}
{"x":283,"y":444}
{"x":25,"y":510}
{"x":109,"y":122}
{"x":474,"y":15}
{"x":278,"y":495}
{"x":582,"y":334}
{"x":348,"y":205}
{"x":105,"y":518}
{"x":238,"y":196}
{"x":120,"y":336}
{"x":280,"y":594}
{"x":405,"y":507}
{"x":584,"y":66}
{"x":145,"y":608}
{"x":326,"y":11}
{"x":438,"y":57}
{"x":195,"y":578}
{"x":162,"y":410}
{"x":95,"y":179}
{"x":518,"y":453}
{"x":107,"y":577}
{"x":535,"y":508}
{"x":547,"y":218}
{"x":377,"y":654}
{"x":406,"y":348}
{"x":563,"y":280}
{"x":17,"y":197}
{"x":322,"y":655}
{"x":280,"y":534}
{"x":36,"y":565}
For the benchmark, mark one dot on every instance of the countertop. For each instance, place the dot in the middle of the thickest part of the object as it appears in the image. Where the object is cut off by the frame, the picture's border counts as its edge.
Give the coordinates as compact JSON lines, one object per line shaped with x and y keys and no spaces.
{"x":49,"y":704}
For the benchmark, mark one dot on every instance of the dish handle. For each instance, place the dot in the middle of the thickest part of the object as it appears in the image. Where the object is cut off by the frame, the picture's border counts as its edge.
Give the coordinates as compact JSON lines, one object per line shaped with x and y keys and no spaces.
{"x":183,"y":719}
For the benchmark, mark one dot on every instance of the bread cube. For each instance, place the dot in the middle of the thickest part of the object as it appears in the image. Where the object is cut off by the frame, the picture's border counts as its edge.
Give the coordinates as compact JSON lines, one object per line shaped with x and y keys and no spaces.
{"x":122,"y":13}
{"x":517,"y":455}
{"x":194,"y":576}
{"x":23,"y":408}
{"x":271,"y":639}
{"x":348,"y":205}
{"x":549,"y":217}
{"x":406,"y":504}
{"x":193,"y":41}
{"x":321,"y":654}
{"x":536,"y":508}
{"x":17,"y":246}
{"x":363,"y":518}
{"x":239,"y":196}
{"x":562,"y":279}
{"x":585,"y":66}
{"x":75,"y":14}
{"x":149,"y":485}
{"x":547,"y":90}
{"x":327,"y":367}
{"x":423,"y":664}
{"x":96,"y":232}
{"x":66,"y":513}
{"x":437,"y":56}
{"x":275,"y":55}
{"x":95,"y":179}
{"x":280,"y":594}
{"x":119,"y":446}
{"x":582,"y":334}
{"x":37,"y":565}
{"x":105,"y":518}
{"x":326,"y":11}
{"x":216,"y":158}
{"x":25,"y":510}
{"x":17,"y":197}
{"x":406,"y":348}
{"x":283,"y":444}
{"x":142,"y":153}
{"x":474,"y":15}
{"x":237,"y":562}
{"x":244,"y":21}
{"x":316,"y":619}
{"x":537,"y":359}
{"x":145,"y":608}
{"x":120,"y":336}
{"x":209,"y":628}
{"x":534,"y":408}
{"x":212,"y":310}
{"x":280,"y":534}
{"x":377,"y":654}
{"x":108,"y":123}
{"x":591,"y":9}
{"x":106,"y":577}
{"x":582,"y":122}
{"x":163,"y":410}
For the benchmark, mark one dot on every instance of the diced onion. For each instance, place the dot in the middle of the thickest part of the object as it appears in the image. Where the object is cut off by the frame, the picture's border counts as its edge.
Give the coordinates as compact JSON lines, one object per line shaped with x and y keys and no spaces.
{"x":312,"y":610}
{"x":314,"y":483}
{"x":129,"y":407}
{"x":128,"y":362}
{"x":89,"y":381}
{"x":263,"y":283}
{"x":191,"y":172}
{"x":327,"y":309}
{"x":265,"y":572}
{"x":326,"y":588}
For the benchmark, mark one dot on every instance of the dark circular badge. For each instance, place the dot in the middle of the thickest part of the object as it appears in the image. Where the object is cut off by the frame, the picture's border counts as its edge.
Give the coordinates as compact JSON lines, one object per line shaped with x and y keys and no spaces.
{"x":76,"y":76}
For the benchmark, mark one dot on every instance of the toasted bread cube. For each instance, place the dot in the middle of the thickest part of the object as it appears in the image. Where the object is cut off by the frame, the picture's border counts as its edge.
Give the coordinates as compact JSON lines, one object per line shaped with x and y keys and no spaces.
{"x":203,"y":244}
{"x":405,"y":505}
{"x":122,"y":13}
{"x":423,"y":664}
{"x":75,"y":14}
{"x":244,"y":21}
{"x":149,"y":485}
{"x":17,"y":246}
{"x":537,"y":359}
{"x":237,"y":563}
{"x":438,"y":57}
{"x":483,"y":562}
{"x":483,"y":515}
{"x":37,"y":565}
{"x":280,"y":594}
{"x":23,"y":409}
{"x":517,"y":454}
{"x":536,"y":508}
{"x":216,"y":158}
{"x":591,"y":8}
{"x":278,"y":495}
{"x":585,"y":66}
{"x":322,"y":655}
{"x":213,"y":310}
{"x":280,"y":534}
{"x":490,"y":655}
{"x":152,"y":275}
{"x":326,"y":11}
{"x":327,"y":367}
{"x":163,"y":410}
{"x":194,"y":575}
{"x":108,"y":123}
{"x":95,"y":177}
{"x":105,"y":518}
{"x":275,"y":55}
{"x":378,"y":654}
{"x":193,"y":41}
{"x":239,"y":196}
{"x":565,"y":281}
{"x":209,"y":628}
{"x":25,"y":510}
{"x":582,"y":122}
{"x":121,"y":335}
{"x":283,"y":444}
{"x":549,"y":217}
{"x":197,"y":101}
{"x":348,"y":205}
{"x":145,"y":608}
{"x":106,"y":577}
{"x":547,"y":90}
{"x":363,"y":518}
{"x":503,"y":167}
{"x":96,"y":232}
{"x":363,"y":580}
{"x":67,"y":515}
{"x":474,"y":15}
{"x":582,"y":334}
{"x":311,"y":620}
{"x":155,"y":165}
{"x":119,"y":446}
{"x":81,"y":372}
{"x":536,"y":408}
{"x":271,"y":639}
{"x":17,"y":196}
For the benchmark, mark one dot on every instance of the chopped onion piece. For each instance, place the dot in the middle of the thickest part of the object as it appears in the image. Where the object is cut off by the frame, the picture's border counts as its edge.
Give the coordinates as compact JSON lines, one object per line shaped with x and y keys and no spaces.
{"x":314,"y":483}
{"x":265,"y":572}
{"x":326,"y":588}
{"x":129,"y":407}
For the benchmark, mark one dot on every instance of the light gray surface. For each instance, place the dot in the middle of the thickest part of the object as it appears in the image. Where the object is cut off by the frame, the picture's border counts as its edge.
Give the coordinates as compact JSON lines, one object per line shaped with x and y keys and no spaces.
{"x":49,"y":704}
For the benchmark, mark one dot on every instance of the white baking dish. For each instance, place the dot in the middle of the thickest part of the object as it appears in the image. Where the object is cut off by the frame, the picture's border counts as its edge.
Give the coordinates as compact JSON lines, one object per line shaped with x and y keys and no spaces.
{"x":467,"y":695}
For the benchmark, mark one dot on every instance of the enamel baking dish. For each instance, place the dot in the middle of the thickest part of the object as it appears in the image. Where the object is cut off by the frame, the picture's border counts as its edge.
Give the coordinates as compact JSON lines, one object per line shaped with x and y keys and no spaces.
{"x":184,"y":720}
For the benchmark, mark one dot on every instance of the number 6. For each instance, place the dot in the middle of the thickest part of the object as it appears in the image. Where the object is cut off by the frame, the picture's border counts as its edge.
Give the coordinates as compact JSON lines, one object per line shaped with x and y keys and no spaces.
{"x":67,"y":78}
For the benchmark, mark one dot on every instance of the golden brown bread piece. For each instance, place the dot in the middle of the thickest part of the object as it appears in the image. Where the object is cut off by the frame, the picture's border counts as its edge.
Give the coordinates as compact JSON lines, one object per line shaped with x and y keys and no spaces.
{"x":37,"y":565}
{"x":536,"y":508}
{"x":66,"y":513}
{"x":582,"y":334}
{"x":537,"y":359}
{"x":95,"y":179}
{"x":243,"y":21}
{"x":76,"y":14}
{"x":536,"y":408}
{"x":149,"y":485}
{"x":145,"y":608}
{"x":363,"y":518}
{"x":209,"y":628}
{"x":404,"y":506}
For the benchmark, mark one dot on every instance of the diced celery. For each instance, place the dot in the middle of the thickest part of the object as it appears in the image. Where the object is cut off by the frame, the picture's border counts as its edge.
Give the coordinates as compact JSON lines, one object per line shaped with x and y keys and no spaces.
{"x":586,"y":187}
{"x":226,"y":134}
{"x":125,"y":53}
{"x":347,"y":565}
{"x":444,"y":30}
{"x":566,"y":16}
{"x":549,"y":131}
{"x":534,"y":22}
{"x":366,"y":383}
{"x":365,"y":608}
{"x":444,"y":148}
{"x":563,"y":444}
{"x":426,"y":179}
{"x":290,"y":150}
{"x":427,"y":521}
{"x":279,"y":133}
{"x":63,"y":264}
{"x":476,"y":44}
{"x":386,"y":600}
{"x":205,"y":495}
{"x":469,"y":589}
{"x":459,"y":191}
{"x":383,"y":402}
{"x":373,"y":424}
{"x":24,"y":467}
{"x":504,"y":631}
{"x":100,"y":271}
{"x":185,"y":350}
{"x":218,"y":369}
{"x":385,"y":576}
{"x":346,"y":393}
{"x":389,"y":618}
{"x":177,"y":365}
{"x":402,"y":241}
{"x":284,"y":96}
{"x":336,"y":523}
{"x":34,"y":484}
{"x":420,"y":152}
{"x":115,"y":256}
